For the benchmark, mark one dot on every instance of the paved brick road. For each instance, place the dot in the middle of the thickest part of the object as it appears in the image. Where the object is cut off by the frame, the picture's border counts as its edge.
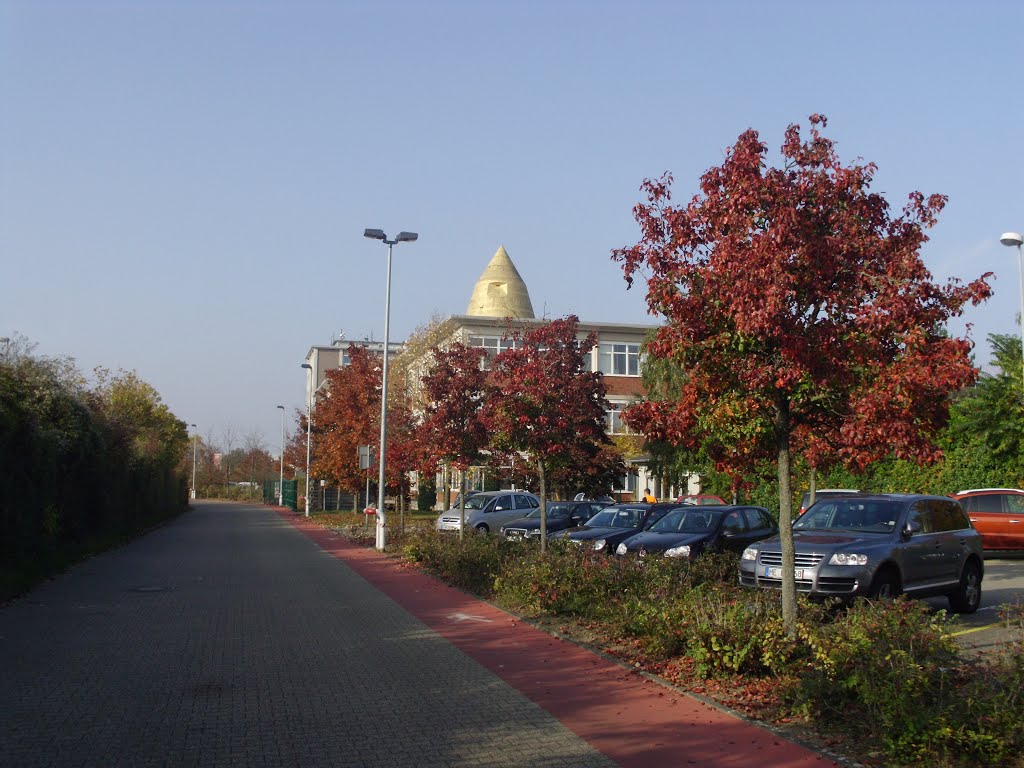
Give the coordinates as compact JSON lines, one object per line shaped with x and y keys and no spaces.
{"x":228,"y":638}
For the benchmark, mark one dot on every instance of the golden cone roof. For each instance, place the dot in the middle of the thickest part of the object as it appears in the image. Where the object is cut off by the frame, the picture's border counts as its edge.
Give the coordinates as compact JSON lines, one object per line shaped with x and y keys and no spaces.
{"x":500,"y":291}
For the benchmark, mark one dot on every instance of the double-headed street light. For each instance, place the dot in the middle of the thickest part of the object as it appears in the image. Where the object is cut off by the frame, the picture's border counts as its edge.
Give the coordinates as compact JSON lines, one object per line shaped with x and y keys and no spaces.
{"x":280,"y":485}
{"x":309,"y":398}
{"x":195,"y":446}
{"x":1011,"y":239}
{"x":403,"y":237}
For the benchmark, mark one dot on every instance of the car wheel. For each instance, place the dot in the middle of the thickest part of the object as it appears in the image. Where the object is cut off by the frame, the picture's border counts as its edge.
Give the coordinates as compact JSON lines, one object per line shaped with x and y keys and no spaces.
{"x":967,"y":597}
{"x":886,"y":586}
{"x":482,"y":528}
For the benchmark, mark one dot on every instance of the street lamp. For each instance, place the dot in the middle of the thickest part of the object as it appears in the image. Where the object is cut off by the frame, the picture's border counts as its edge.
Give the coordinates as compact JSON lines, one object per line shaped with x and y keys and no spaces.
{"x":1011,"y":239}
{"x":195,"y":447}
{"x":309,"y":397}
{"x":280,"y":485}
{"x":403,"y":237}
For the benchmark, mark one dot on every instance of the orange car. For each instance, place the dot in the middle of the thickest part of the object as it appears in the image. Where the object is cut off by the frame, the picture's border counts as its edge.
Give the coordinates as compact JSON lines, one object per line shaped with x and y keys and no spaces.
{"x":997,"y":514}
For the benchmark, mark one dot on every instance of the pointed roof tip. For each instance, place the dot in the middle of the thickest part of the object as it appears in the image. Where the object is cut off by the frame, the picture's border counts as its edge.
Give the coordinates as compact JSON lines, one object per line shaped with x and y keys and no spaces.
{"x":500,"y":291}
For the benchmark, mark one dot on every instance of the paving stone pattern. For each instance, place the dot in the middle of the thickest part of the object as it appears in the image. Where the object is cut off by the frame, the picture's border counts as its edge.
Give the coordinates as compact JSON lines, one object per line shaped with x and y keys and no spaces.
{"x":227,"y":638}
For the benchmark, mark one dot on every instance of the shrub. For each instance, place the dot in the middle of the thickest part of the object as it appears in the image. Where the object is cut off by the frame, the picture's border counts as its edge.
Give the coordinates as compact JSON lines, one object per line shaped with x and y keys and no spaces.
{"x":472,"y":563}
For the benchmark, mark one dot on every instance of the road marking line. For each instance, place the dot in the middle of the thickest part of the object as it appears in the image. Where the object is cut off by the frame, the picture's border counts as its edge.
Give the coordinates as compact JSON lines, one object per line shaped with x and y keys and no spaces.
{"x":468,"y":617}
{"x":976,"y":629}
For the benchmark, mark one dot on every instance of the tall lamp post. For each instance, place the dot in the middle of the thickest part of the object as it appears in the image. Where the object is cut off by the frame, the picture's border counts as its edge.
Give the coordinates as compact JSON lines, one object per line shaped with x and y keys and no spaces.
{"x":403,"y":237}
{"x":309,"y":398}
{"x":195,"y":448}
{"x":1011,"y":239}
{"x":280,"y":485}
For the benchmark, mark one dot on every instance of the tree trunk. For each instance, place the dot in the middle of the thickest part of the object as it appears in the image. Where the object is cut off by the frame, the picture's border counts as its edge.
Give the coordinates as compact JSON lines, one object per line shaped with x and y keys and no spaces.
{"x":543,"y":506}
{"x":462,"y":501}
{"x":814,"y":486}
{"x":783,"y":428}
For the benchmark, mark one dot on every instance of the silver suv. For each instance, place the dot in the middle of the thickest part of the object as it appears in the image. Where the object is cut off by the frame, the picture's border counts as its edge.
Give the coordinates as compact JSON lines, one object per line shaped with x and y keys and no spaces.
{"x":488,"y":511}
{"x":877,"y":546}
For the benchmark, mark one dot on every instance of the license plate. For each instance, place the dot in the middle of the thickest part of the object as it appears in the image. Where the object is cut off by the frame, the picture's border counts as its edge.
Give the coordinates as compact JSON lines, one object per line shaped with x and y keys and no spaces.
{"x":775,"y":572}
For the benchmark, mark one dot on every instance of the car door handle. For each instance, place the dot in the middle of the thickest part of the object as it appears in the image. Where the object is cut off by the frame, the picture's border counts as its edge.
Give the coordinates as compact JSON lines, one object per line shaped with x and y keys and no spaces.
{"x":1015,"y":521}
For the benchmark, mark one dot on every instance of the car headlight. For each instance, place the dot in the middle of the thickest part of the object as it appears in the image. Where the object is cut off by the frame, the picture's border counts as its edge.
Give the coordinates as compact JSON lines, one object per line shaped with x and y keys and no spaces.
{"x":600,"y":544}
{"x":681,"y":551}
{"x":848,"y":558}
{"x":621,"y":549}
{"x":750,"y":553}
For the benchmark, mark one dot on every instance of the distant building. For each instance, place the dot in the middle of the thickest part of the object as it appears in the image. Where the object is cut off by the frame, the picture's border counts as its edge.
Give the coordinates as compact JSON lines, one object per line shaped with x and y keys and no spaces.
{"x":501,"y":298}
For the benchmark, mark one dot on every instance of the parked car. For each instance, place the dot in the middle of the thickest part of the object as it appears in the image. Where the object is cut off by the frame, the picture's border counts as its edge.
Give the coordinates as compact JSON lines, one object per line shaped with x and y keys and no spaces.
{"x":581,"y":497}
{"x":877,"y":546}
{"x":687,"y":532}
{"x":997,"y":514}
{"x":489,"y":510}
{"x":607,"y":528}
{"x":701,"y":499}
{"x":560,"y":515}
{"x":822,"y":494}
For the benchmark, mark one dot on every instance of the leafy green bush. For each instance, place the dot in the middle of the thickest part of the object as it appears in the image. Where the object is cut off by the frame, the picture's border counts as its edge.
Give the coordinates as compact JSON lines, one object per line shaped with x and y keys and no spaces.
{"x":472,"y":563}
{"x":893,"y":669}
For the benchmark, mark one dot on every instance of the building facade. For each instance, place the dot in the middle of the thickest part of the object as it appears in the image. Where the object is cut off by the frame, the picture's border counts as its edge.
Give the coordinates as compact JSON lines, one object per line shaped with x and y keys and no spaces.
{"x":500,"y":301}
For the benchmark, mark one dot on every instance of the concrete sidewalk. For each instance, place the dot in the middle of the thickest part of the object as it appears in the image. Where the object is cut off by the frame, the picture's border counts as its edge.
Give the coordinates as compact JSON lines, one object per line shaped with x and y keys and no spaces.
{"x":631,"y":719}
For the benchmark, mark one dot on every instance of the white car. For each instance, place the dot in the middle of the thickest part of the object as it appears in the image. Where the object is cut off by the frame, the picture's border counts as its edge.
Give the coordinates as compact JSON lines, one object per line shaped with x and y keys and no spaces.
{"x":488,"y":511}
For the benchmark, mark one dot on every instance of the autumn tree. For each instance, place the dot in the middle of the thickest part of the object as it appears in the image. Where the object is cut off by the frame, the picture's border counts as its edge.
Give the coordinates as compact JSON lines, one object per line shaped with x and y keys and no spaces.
{"x":453,"y":429}
{"x":802,"y":313}
{"x":545,"y":404}
{"x":347,"y":416}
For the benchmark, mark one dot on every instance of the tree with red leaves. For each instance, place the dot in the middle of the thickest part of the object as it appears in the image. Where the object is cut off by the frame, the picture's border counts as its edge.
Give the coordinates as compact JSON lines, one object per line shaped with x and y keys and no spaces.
{"x":347,"y":416}
{"x":453,"y":430}
{"x":544,"y":402}
{"x":801,"y":314}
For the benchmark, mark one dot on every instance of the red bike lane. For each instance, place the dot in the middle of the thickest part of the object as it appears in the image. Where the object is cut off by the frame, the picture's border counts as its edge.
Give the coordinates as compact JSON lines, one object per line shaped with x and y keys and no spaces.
{"x":632,"y":719}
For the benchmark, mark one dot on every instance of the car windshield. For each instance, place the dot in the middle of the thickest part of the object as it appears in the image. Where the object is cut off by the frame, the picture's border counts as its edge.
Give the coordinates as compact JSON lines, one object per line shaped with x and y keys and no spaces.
{"x":477,"y":502}
{"x":850,"y":514}
{"x":617,"y":517}
{"x":688,"y":521}
{"x":555,"y":512}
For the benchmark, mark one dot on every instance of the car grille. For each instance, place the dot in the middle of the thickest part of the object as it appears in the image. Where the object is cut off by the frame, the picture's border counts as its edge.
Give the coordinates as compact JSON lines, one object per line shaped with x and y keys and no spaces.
{"x":800,"y":560}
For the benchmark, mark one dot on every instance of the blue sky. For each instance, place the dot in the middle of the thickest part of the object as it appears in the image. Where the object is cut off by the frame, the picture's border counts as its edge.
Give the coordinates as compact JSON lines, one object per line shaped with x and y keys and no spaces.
{"x":184,"y":185}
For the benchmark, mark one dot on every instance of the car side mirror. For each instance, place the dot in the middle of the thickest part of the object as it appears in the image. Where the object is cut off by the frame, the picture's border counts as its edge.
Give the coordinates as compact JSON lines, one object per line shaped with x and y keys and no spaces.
{"x":727,"y":534}
{"x":910,"y":529}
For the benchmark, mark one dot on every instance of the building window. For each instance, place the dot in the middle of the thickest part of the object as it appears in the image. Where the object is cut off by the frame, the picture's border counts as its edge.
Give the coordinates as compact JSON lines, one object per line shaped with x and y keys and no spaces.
{"x":613,"y":420}
{"x":492,"y":345}
{"x":620,"y":359}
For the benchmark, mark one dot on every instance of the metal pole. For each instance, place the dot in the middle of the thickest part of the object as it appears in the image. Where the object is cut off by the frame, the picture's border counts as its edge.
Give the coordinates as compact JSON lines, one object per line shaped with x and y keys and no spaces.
{"x":384,"y":409}
{"x":195,"y":447}
{"x":1020,"y":275}
{"x":308,"y":427}
{"x":280,"y":484}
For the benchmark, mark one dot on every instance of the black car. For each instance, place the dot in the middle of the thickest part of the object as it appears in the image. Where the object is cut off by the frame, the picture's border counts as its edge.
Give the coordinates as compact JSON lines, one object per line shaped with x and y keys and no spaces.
{"x":607,"y":528}
{"x":687,"y":531}
{"x":560,"y":515}
{"x":877,"y":546}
